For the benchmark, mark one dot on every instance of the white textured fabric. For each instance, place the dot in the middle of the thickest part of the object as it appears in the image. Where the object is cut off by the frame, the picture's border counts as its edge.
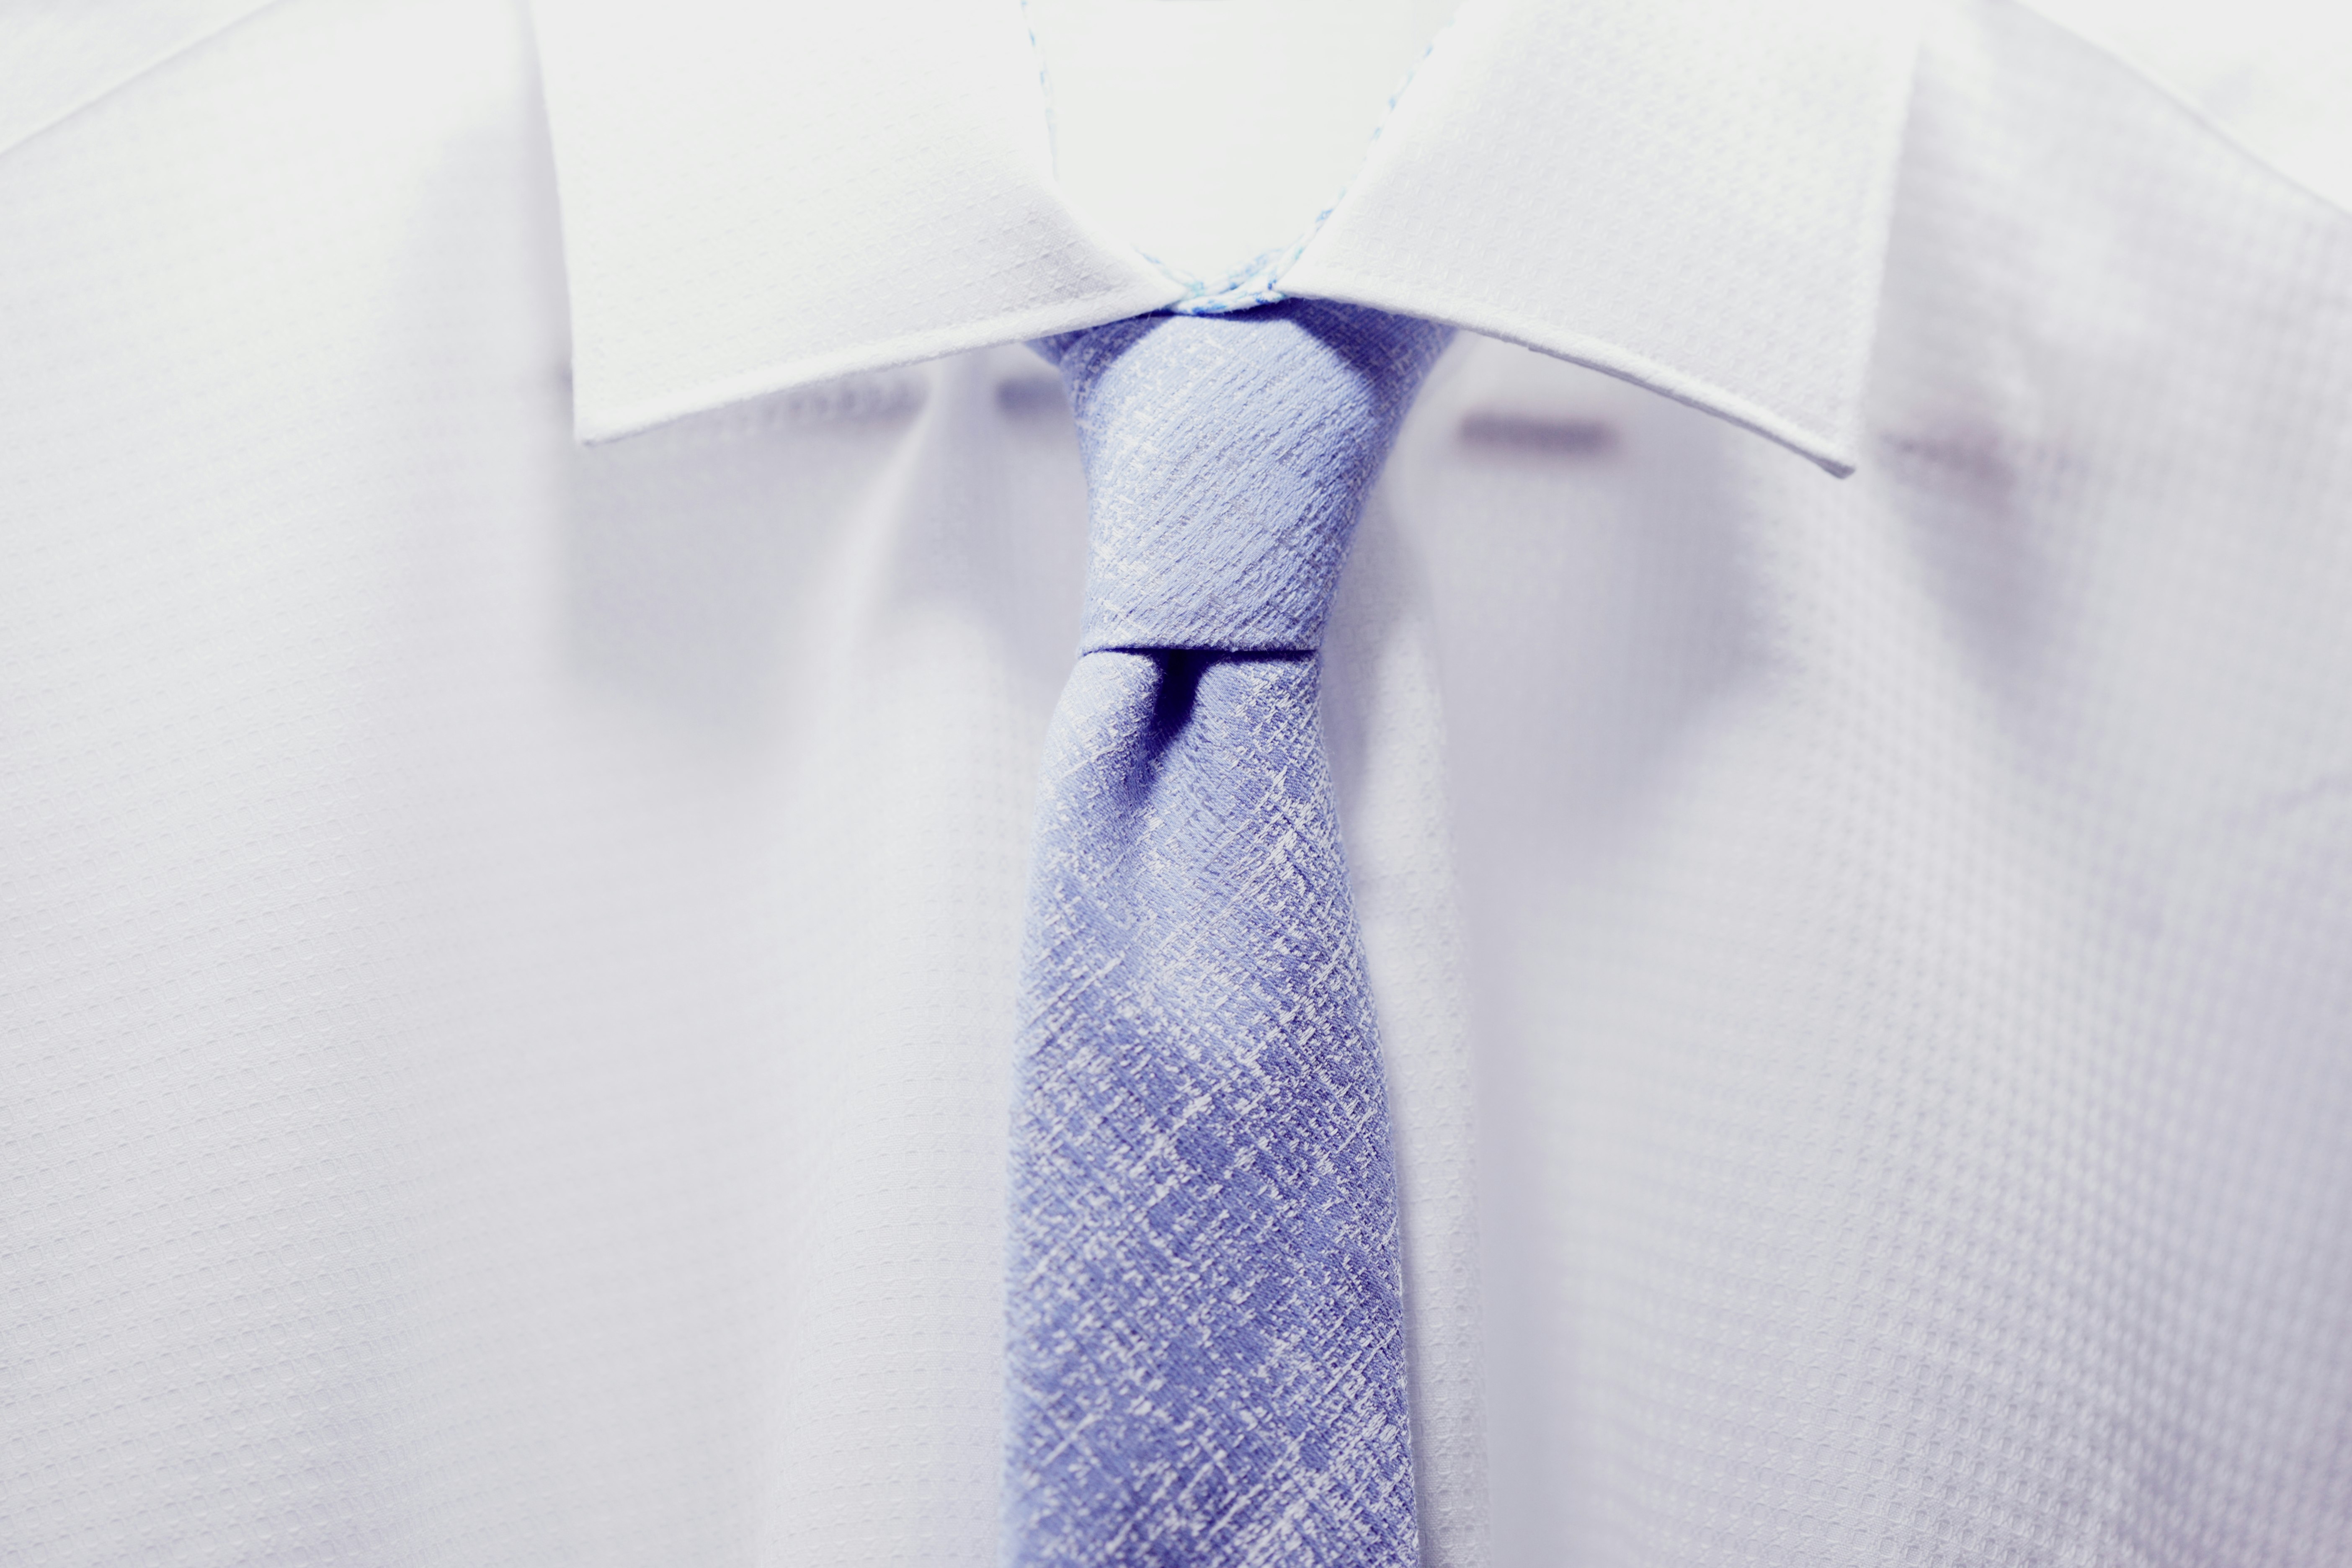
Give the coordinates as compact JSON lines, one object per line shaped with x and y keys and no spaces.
{"x":1860,"y":963}
{"x":1209,"y":136}
{"x":764,"y":196}
{"x":2270,"y":73}
{"x":57,"y":57}
{"x":1705,"y":213}
{"x":1914,"y":1037}
{"x":1691,"y":194}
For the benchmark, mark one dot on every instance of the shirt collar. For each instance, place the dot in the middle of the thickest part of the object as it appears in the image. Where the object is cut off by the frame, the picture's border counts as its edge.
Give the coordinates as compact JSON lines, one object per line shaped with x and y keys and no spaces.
{"x":1693,"y":194}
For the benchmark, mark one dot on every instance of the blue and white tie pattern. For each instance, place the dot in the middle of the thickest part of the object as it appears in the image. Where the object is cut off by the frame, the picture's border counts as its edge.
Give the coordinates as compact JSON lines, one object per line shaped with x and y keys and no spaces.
{"x":1206,"y":1358}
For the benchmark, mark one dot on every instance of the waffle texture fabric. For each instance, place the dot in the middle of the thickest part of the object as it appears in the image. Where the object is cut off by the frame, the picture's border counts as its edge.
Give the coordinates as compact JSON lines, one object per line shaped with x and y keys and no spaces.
{"x":1207,"y":1339}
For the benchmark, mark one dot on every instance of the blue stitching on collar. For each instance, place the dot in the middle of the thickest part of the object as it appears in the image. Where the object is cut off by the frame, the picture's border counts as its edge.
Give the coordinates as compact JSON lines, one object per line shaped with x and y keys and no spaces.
{"x":1255,"y":281}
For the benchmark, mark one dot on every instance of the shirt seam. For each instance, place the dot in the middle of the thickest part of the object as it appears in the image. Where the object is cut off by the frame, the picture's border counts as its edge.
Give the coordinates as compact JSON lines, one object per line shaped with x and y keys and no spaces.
{"x":113,"y":89}
{"x":1257,"y":280}
{"x":2206,"y":120}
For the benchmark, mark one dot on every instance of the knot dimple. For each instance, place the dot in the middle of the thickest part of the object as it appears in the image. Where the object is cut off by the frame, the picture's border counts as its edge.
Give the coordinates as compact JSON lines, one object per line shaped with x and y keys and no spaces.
{"x":1227,"y":461}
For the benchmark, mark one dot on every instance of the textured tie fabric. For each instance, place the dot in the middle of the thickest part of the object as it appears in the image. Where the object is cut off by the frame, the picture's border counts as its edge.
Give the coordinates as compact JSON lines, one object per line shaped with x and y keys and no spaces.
{"x":1206,"y":1358}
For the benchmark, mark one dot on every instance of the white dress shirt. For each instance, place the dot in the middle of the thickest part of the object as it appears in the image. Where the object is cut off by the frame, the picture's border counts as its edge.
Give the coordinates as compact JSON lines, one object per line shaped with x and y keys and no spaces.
{"x":507,"y":946}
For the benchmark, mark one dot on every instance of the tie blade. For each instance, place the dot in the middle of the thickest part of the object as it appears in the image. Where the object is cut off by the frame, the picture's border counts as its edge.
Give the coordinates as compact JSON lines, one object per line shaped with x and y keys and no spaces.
{"x":1206,"y":1356}
{"x":1207,"y":1353}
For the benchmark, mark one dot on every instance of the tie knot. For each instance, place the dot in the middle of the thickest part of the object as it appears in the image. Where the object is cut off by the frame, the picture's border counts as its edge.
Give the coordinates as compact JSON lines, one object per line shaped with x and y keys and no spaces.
{"x":1227,"y":460}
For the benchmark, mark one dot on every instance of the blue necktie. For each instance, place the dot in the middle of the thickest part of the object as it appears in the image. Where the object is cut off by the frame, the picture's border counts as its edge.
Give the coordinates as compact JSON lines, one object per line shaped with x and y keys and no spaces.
{"x":1206,"y":1361}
